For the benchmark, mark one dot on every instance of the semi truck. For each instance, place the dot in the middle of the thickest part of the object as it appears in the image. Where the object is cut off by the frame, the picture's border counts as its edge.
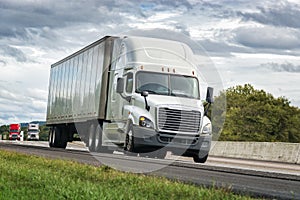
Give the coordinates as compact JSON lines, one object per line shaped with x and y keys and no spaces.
{"x":33,"y":131}
{"x":14,"y":131}
{"x":138,"y":94}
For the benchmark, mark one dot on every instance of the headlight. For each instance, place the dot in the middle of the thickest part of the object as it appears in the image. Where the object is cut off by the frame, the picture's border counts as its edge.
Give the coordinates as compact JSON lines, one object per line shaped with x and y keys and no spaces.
{"x":207,"y":129}
{"x":145,"y":122}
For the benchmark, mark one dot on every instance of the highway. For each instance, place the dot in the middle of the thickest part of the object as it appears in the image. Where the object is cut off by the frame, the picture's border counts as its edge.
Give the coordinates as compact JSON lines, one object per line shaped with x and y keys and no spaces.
{"x":255,"y":178}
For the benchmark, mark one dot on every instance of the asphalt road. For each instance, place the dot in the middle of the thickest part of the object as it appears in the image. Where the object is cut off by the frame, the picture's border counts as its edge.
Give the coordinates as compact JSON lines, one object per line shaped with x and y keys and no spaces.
{"x":258,"y":183}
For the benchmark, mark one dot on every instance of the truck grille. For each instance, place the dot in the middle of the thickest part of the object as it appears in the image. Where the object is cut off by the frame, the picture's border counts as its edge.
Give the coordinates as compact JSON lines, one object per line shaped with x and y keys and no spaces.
{"x":178,"y":120}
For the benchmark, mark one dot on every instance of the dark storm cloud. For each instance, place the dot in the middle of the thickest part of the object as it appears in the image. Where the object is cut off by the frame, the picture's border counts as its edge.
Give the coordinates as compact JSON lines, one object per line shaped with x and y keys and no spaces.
{"x":42,"y":23}
{"x":284,"y":67}
{"x":160,"y":5}
{"x":284,"y":15}
{"x":16,"y":16}
{"x":13,"y":52}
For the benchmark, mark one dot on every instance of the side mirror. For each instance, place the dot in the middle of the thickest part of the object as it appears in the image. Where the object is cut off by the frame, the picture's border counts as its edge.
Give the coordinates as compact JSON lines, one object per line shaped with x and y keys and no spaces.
{"x":144,"y":93}
{"x":120,"y":85}
{"x":209,"y":95}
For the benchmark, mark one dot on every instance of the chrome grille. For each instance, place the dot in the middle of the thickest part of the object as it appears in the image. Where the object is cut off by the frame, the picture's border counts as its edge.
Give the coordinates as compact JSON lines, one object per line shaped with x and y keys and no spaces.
{"x":178,"y":120}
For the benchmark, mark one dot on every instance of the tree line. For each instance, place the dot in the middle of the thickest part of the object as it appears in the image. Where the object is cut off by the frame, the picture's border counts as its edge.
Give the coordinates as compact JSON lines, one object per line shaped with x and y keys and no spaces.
{"x":254,"y":115}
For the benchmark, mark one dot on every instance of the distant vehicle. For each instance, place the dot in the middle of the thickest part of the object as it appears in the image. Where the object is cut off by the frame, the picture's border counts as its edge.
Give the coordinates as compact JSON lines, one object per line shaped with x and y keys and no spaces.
{"x":33,"y":132}
{"x":137,"y":93}
{"x":14,"y":131}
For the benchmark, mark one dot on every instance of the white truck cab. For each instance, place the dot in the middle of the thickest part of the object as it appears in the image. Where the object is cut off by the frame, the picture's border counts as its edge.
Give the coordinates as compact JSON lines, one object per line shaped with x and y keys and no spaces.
{"x":33,"y":132}
{"x":155,"y":100}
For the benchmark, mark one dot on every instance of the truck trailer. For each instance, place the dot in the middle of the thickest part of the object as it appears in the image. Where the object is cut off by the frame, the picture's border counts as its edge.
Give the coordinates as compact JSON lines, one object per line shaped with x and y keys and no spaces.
{"x":14,"y":131}
{"x":138,"y":94}
{"x":33,"y":131}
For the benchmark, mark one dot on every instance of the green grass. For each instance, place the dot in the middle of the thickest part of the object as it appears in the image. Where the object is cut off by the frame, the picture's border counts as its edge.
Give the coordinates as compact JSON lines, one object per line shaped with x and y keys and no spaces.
{"x":31,"y":177}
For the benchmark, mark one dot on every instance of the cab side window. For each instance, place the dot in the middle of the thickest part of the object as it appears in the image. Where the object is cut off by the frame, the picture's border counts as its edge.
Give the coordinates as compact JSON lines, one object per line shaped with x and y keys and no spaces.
{"x":129,"y":83}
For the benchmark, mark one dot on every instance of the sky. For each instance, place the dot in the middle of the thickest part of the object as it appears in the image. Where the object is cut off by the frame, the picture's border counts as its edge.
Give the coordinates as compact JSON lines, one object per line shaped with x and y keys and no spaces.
{"x":256,"y":42}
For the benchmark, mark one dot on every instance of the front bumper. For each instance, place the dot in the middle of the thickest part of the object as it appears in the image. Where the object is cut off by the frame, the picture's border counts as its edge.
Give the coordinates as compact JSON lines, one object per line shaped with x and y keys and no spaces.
{"x":146,"y":138}
{"x":14,"y":138}
{"x":33,"y":137}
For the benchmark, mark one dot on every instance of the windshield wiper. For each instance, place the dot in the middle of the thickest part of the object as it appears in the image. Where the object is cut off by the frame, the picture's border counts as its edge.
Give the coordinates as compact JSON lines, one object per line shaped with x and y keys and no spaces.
{"x":149,"y":91}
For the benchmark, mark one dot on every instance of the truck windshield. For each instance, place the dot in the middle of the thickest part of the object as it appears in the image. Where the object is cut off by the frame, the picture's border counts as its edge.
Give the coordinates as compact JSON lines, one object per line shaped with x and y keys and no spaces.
{"x":14,"y":130}
{"x":167,"y":84}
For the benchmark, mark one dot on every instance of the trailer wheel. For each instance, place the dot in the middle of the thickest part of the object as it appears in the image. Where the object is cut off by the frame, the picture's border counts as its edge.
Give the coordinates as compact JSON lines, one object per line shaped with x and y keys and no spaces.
{"x":63,"y":138}
{"x":129,"y":141}
{"x":198,"y":159}
{"x":57,"y":138}
{"x":50,"y":138}
{"x":98,"y":141}
{"x":91,"y":139}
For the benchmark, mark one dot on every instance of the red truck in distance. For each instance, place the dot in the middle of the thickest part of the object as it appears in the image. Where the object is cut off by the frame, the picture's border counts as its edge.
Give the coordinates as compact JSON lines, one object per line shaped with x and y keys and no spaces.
{"x":14,"y":131}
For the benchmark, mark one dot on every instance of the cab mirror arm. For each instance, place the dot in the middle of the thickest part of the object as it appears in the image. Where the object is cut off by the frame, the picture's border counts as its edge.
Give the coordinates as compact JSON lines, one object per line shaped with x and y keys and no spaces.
{"x":145,"y":95}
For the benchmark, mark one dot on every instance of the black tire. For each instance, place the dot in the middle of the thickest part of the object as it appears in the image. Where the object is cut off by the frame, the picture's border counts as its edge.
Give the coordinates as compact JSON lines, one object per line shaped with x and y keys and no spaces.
{"x":59,"y":140}
{"x":63,"y":141}
{"x":50,"y":138}
{"x":91,"y":138}
{"x":198,"y":159}
{"x":129,"y":141}
{"x":55,"y":137}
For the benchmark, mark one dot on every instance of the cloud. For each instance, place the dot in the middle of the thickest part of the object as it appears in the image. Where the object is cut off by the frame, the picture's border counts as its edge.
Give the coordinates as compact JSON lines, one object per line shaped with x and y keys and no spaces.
{"x":13,"y":52}
{"x":18,"y":16}
{"x":281,"y":14}
{"x":221,"y":48}
{"x":284,"y":67}
{"x":16,"y":106}
{"x":267,"y":37}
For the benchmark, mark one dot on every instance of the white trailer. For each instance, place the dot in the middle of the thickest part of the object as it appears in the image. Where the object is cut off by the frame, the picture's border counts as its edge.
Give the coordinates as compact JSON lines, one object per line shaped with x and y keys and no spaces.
{"x":33,"y":132}
{"x":140,"y":94}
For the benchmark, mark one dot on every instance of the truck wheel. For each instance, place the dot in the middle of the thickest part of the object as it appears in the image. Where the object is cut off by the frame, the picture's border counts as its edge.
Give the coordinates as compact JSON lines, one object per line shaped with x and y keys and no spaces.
{"x":58,"y":139}
{"x":98,"y":141}
{"x":198,"y":159}
{"x":63,"y":140}
{"x":129,"y":141}
{"x":91,"y":140}
{"x":55,"y":136}
{"x":50,"y":137}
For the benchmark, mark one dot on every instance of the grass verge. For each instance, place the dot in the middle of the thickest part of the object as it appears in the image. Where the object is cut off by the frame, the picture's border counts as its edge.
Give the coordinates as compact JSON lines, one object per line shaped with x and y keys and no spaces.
{"x":31,"y":177}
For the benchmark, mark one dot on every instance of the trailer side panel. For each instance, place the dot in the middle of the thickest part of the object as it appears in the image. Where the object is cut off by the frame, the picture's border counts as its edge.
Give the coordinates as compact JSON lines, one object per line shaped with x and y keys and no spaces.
{"x":78,"y":84}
